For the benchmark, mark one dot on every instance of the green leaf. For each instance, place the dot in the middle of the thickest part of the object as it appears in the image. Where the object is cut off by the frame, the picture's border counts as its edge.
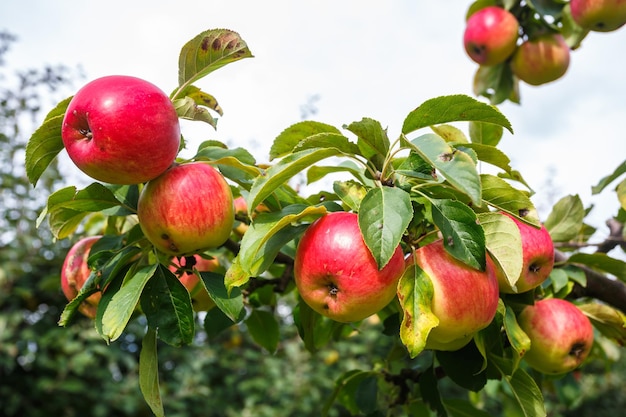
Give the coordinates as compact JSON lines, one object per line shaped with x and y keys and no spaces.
{"x":384,"y":215}
{"x":566,"y":219}
{"x":289,"y":138}
{"x":316,"y":173}
{"x":457,"y":407}
{"x":601,"y":261}
{"x":429,"y":389}
{"x":500,"y":194}
{"x":231,"y":303}
{"x":464,"y":367}
{"x":314,"y":329}
{"x":491,"y":155}
{"x":187,"y":108}
{"x":456,"y":166}
{"x":450,"y":133}
{"x":454,"y":108}
{"x":528,"y":399}
{"x":415,"y":293}
{"x":605,"y":181}
{"x":357,"y":391}
{"x":215,"y":322}
{"x":149,"y":373}
{"x":608,"y":320}
{"x":263,"y":328}
{"x":45,"y":143}
{"x":207,"y":52}
{"x":520,"y":342}
{"x":504,"y":244}
{"x":166,"y":303}
{"x":496,"y":83}
{"x":372,"y":142}
{"x":463,"y":237}
{"x":486,"y":134}
{"x":328,"y":140}
{"x":350,"y":192}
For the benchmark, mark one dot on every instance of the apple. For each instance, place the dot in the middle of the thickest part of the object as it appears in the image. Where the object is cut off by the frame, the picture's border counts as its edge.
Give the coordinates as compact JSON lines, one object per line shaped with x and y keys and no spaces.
{"x":490,"y":35}
{"x":121,"y":130}
{"x":336,"y":274}
{"x":183,"y":268}
{"x":560,"y":335}
{"x":542,"y":59}
{"x":187,"y":209}
{"x":464,"y":300}
{"x":75,"y":272}
{"x":599,"y":15}
{"x":537,"y":257}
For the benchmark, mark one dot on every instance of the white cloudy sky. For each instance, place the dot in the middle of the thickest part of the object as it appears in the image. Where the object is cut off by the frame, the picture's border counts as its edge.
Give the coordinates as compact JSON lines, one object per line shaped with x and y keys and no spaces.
{"x":364,"y":58}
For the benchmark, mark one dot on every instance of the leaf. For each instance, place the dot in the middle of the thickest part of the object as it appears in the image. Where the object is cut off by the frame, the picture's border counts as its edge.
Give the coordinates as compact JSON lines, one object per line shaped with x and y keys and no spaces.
{"x":605,"y":181}
{"x":316,"y":173}
{"x":231,"y":303}
{"x":314,"y":329}
{"x":504,"y":244}
{"x":519,"y":340}
{"x":491,"y":155}
{"x":566,"y":219}
{"x":166,"y":303}
{"x":528,"y":399}
{"x":450,"y":133}
{"x":350,"y":192}
{"x":263,"y":328}
{"x":289,"y":138}
{"x":187,"y":108}
{"x":328,"y":140}
{"x":608,"y":320}
{"x":454,"y":108}
{"x":463,"y":237}
{"x":501,"y":195}
{"x":384,"y":215}
{"x":496,"y":83}
{"x":215,"y":321}
{"x":357,"y":391}
{"x":601,"y":261}
{"x":372,"y":140}
{"x":429,"y":389}
{"x":415,"y":293}
{"x":457,"y":167}
{"x":457,"y":407}
{"x":45,"y":143}
{"x":486,"y":134}
{"x":464,"y":367}
{"x":149,"y":373}
{"x":207,"y":52}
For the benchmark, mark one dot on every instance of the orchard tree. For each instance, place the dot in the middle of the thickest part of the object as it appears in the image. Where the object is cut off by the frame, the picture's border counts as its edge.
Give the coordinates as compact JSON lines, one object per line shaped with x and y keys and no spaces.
{"x":411,"y":239}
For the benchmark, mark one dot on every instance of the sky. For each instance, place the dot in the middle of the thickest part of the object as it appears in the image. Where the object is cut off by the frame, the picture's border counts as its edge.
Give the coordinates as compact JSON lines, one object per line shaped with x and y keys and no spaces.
{"x":351,"y":59}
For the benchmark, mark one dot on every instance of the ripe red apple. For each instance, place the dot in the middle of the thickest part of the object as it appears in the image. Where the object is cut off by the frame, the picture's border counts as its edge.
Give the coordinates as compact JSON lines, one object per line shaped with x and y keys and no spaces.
{"x":465,"y":299}
{"x":183,"y":268}
{"x":537,"y":256}
{"x":75,"y":272}
{"x":121,"y":130}
{"x":187,"y":209}
{"x":336,"y":274}
{"x":599,"y":15}
{"x":542,"y":59}
{"x":490,"y":35}
{"x":560,"y":335}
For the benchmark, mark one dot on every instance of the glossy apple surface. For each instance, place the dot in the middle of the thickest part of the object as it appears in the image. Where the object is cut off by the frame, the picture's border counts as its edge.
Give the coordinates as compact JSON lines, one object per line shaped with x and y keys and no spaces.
{"x":490,"y":35}
{"x":187,"y":209}
{"x":75,"y":272}
{"x":537,"y":257}
{"x":541,"y":60}
{"x":121,"y":130}
{"x":336,"y":274}
{"x":183,"y":268}
{"x":599,"y":15}
{"x":465,"y":299}
{"x":561,"y":336}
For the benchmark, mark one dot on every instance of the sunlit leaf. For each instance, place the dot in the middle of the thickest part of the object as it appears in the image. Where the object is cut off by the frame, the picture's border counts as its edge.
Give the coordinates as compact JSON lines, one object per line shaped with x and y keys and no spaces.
{"x":503,"y":196}
{"x":149,"y":373}
{"x":605,"y":181}
{"x":372,"y":141}
{"x":566,"y":219}
{"x":486,"y":134}
{"x":608,"y":320}
{"x":350,"y":192}
{"x":504,"y":244}
{"x":289,"y":138}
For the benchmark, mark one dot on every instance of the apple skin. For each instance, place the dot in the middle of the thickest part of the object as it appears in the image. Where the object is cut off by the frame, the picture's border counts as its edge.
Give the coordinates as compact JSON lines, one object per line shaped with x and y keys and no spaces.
{"x":75,"y":272}
{"x":537,"y":256}
{"x":187,"y":209}
{"x":336,"y":274}
{"x":599,"y":15}
{"x":561,"y":336}
{"x":490,"y":35}
{"x":121,"y":130}
{"x":200,"y":298}
{"x":465,"y":300}
{"x":541,"y":60}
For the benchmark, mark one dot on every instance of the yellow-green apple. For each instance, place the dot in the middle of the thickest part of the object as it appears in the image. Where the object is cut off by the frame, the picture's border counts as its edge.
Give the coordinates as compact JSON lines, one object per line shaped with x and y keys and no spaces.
{"x":183,"y":267}
{"x":187,"y":209}
{"x":336,"y":274}
{"x":75,"y":272}
{"x":537,"y":258}
{"x":490,"y":35}
{"x":121,"y":130}
{"x":599,"y":15}
{"x":542,"y":59}
{"x":560,"y":335}
{"x":464,"y":300}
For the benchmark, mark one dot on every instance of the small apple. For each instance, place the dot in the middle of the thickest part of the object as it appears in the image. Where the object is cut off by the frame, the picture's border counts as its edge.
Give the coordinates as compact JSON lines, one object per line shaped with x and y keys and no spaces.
{"x":465,"y":299}
{"x":187,"y":209}
{"x":336,"y":274}
{"x":183,"y":268}
{"x":560,"y":335}
{"x":490,"y":35}
{"x":542,"y":59}
{"x":75,"y":272}
{"x":121,"y":130}
{"x":537,"y":256}
{"x":599,"y":15}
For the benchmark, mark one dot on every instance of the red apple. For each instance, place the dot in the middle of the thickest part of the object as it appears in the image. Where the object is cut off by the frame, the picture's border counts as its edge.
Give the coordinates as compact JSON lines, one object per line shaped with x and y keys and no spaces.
{"x":121,"y":130}
{"x":465,"y":299}
{"x":75,"y":272}
{"x":187,"y":209}
{"x":490,"y":35}
{"x":560,"y":335}
{"x":183,"y":268}
{"x":336,"y":274}
{"x":542,"y":59}
{"x":599,"y":15}
{"x":537,"y":256}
